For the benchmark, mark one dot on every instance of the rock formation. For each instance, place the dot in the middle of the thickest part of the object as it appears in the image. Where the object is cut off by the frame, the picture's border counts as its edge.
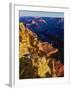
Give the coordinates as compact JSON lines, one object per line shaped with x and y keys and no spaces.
{"x":35,"y":59}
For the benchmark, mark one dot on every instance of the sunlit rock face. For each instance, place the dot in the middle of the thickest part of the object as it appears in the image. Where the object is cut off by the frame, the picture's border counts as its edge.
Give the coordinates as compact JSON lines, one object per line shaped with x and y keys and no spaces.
{"x":25,"y":42}
{"x":36,"y":56}
{"x":47,"y":48}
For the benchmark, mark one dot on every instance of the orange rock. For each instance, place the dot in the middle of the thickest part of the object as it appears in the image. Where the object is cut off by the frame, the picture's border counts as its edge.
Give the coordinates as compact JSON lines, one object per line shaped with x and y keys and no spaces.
{"x":59,"y":67}
{"x":47,"y":48}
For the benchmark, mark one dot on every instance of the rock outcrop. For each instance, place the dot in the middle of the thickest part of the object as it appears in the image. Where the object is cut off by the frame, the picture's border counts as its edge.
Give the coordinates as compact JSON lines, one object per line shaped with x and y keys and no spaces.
{"x":35,"y":56}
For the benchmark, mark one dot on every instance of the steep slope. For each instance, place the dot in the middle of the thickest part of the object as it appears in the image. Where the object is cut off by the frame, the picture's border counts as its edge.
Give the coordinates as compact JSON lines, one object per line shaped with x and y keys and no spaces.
{"x":36,"y":57}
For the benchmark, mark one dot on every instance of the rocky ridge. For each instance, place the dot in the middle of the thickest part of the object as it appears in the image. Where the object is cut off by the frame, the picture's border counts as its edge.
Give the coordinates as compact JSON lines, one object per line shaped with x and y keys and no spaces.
{"x":36,"y":57}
